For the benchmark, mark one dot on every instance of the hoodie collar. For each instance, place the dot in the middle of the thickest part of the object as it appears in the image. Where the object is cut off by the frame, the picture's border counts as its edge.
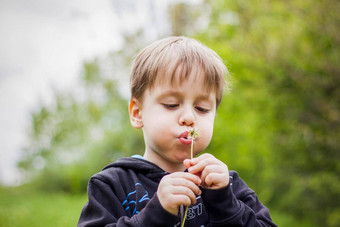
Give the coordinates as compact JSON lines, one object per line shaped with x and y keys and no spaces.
{"x":138,"y":165}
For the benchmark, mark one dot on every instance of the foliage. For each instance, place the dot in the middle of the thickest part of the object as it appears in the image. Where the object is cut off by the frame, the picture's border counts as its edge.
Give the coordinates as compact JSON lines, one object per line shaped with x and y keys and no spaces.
{"x":282,"y":120}
{"x":79,"y":135}
{"x":278,"y":128}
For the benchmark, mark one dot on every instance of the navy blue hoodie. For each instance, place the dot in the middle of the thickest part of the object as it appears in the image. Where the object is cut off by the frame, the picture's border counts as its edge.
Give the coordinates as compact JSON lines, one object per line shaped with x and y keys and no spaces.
{"x":124,"y":194}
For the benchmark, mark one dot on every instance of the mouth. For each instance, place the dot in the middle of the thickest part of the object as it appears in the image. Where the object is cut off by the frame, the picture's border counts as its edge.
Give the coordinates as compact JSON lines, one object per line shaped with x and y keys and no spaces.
{"x":183,"y":138}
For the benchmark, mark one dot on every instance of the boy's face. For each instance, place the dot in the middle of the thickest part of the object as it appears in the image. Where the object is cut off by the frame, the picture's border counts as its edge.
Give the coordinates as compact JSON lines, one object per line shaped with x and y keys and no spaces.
{"x":167,"y":112}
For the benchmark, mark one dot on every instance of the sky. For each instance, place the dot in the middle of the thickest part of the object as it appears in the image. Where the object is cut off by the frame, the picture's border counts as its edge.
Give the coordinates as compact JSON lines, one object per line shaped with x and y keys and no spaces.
{"x":43,"y":45}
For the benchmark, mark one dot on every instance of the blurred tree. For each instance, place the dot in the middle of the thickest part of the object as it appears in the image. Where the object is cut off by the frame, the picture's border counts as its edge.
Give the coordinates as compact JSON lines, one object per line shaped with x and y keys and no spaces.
{"x":188,"y":19}
{"x":86,"y":128}
{"x":81,"y":133}
{"x":282,"y":119}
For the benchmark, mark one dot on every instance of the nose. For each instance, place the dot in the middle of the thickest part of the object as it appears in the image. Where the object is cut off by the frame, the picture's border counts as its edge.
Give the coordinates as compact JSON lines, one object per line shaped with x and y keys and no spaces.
{"x":187,"y":117}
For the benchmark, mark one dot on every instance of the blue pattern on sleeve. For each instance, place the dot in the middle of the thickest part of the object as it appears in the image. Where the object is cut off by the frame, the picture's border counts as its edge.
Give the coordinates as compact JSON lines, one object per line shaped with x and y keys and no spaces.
{"x":131,"y":202}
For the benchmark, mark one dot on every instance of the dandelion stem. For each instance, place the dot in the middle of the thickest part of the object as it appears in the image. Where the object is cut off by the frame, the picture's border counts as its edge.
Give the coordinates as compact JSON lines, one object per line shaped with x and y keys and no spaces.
{"x":192,"y":148}
{"x":193,"y":134}
{"x":185,"y":216}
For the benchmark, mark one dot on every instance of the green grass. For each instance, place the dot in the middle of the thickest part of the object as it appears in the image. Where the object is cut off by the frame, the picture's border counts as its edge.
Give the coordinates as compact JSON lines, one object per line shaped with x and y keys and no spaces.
{"x":26,"y":208}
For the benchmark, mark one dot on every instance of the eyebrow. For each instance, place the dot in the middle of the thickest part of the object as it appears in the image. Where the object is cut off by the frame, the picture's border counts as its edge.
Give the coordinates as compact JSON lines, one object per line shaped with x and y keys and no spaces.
{"x":179,"y":94}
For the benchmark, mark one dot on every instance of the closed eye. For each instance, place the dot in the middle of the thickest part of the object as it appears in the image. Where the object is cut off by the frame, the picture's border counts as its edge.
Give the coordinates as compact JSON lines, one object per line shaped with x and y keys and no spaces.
{"x":170,"y":106}
{"x":201,"y":109}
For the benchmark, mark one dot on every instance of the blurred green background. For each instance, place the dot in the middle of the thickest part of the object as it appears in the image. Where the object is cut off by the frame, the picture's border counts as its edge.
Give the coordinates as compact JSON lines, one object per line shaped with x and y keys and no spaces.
{"x":278,"y":127}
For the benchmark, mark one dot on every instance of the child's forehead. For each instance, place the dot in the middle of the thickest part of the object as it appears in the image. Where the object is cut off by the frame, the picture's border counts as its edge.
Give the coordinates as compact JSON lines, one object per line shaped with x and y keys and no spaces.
{"x":196,"y":79}
{"x":194,"y":87}
{"x":166,"y":89}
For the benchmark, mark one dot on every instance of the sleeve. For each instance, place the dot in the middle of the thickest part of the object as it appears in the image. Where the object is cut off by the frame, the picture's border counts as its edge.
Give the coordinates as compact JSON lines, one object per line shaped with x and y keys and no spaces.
{"x":235,"y":205}
{"x":104,"y":209}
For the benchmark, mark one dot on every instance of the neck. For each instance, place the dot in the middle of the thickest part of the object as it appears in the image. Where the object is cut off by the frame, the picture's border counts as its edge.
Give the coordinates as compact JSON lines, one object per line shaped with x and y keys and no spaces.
{"x":166,"y":165}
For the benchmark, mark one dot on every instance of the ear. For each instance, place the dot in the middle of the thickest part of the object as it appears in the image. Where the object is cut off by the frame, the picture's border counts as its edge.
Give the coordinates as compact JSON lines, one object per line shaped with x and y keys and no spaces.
{"x":135,"y":111}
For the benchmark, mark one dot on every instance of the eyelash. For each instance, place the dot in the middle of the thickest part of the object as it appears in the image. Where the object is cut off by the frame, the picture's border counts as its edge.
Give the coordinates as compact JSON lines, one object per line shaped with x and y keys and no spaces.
{"x":174,"y":106}
{"x":170,"y":106}
{"x":200,"y":109}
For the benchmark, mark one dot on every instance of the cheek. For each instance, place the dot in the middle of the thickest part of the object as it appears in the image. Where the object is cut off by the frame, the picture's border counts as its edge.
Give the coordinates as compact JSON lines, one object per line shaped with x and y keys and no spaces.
{"x":206,"y":131}
{"x":207,"y":137}
{"x":156,"y":123}
{"x":152,"y":116}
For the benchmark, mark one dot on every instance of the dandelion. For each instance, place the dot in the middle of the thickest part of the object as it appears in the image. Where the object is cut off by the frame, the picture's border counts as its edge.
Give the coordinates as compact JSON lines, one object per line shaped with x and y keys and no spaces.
{"x":193,"y":134}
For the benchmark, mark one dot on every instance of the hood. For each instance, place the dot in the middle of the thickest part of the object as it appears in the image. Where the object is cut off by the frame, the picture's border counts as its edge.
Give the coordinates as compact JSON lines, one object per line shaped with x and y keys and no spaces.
{"x":138,"y":165}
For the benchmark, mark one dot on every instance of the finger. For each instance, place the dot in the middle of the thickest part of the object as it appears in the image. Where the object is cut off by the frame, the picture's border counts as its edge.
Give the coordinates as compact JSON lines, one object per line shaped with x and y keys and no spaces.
{"x":208,"y":170}
{"x":185,"y":175}
{"x":181,"y":190}
{"x":187,"y":163}
{"x":188,"y":184}
{"x":211,"y":179}
{"x":201,"y":164}
{"x":202,"y":157}
{"x":181,"y":179}
{"x":216,"y":180}
{"x":216,"y":176}
{"x":173,"y":202}
{"x":181,"y":199}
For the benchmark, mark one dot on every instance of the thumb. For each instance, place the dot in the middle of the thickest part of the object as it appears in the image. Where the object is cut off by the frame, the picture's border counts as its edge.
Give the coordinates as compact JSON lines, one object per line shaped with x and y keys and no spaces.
{"x":187,"y":163}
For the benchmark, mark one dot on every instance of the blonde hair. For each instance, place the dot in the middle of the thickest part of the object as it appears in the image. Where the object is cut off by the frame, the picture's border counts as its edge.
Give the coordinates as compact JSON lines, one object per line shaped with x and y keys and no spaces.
{"x":177,"y":58}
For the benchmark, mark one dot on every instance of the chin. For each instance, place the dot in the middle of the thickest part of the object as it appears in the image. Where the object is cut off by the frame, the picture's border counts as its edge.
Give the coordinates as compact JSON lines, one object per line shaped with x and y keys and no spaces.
{"x":180,"y":158}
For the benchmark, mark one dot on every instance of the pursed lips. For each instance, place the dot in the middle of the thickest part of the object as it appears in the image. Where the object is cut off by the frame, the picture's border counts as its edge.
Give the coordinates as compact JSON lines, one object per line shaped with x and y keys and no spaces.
{"x":183,"y":138}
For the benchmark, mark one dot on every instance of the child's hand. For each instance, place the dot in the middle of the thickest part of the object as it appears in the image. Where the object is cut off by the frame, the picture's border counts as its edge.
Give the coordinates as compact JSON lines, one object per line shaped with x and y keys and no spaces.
{"x":177,"y":189}
{"x":213,"y":173}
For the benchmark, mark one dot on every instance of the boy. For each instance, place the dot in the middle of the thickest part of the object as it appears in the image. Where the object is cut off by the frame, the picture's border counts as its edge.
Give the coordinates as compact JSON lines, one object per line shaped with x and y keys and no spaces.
{"x":176,"y":86}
